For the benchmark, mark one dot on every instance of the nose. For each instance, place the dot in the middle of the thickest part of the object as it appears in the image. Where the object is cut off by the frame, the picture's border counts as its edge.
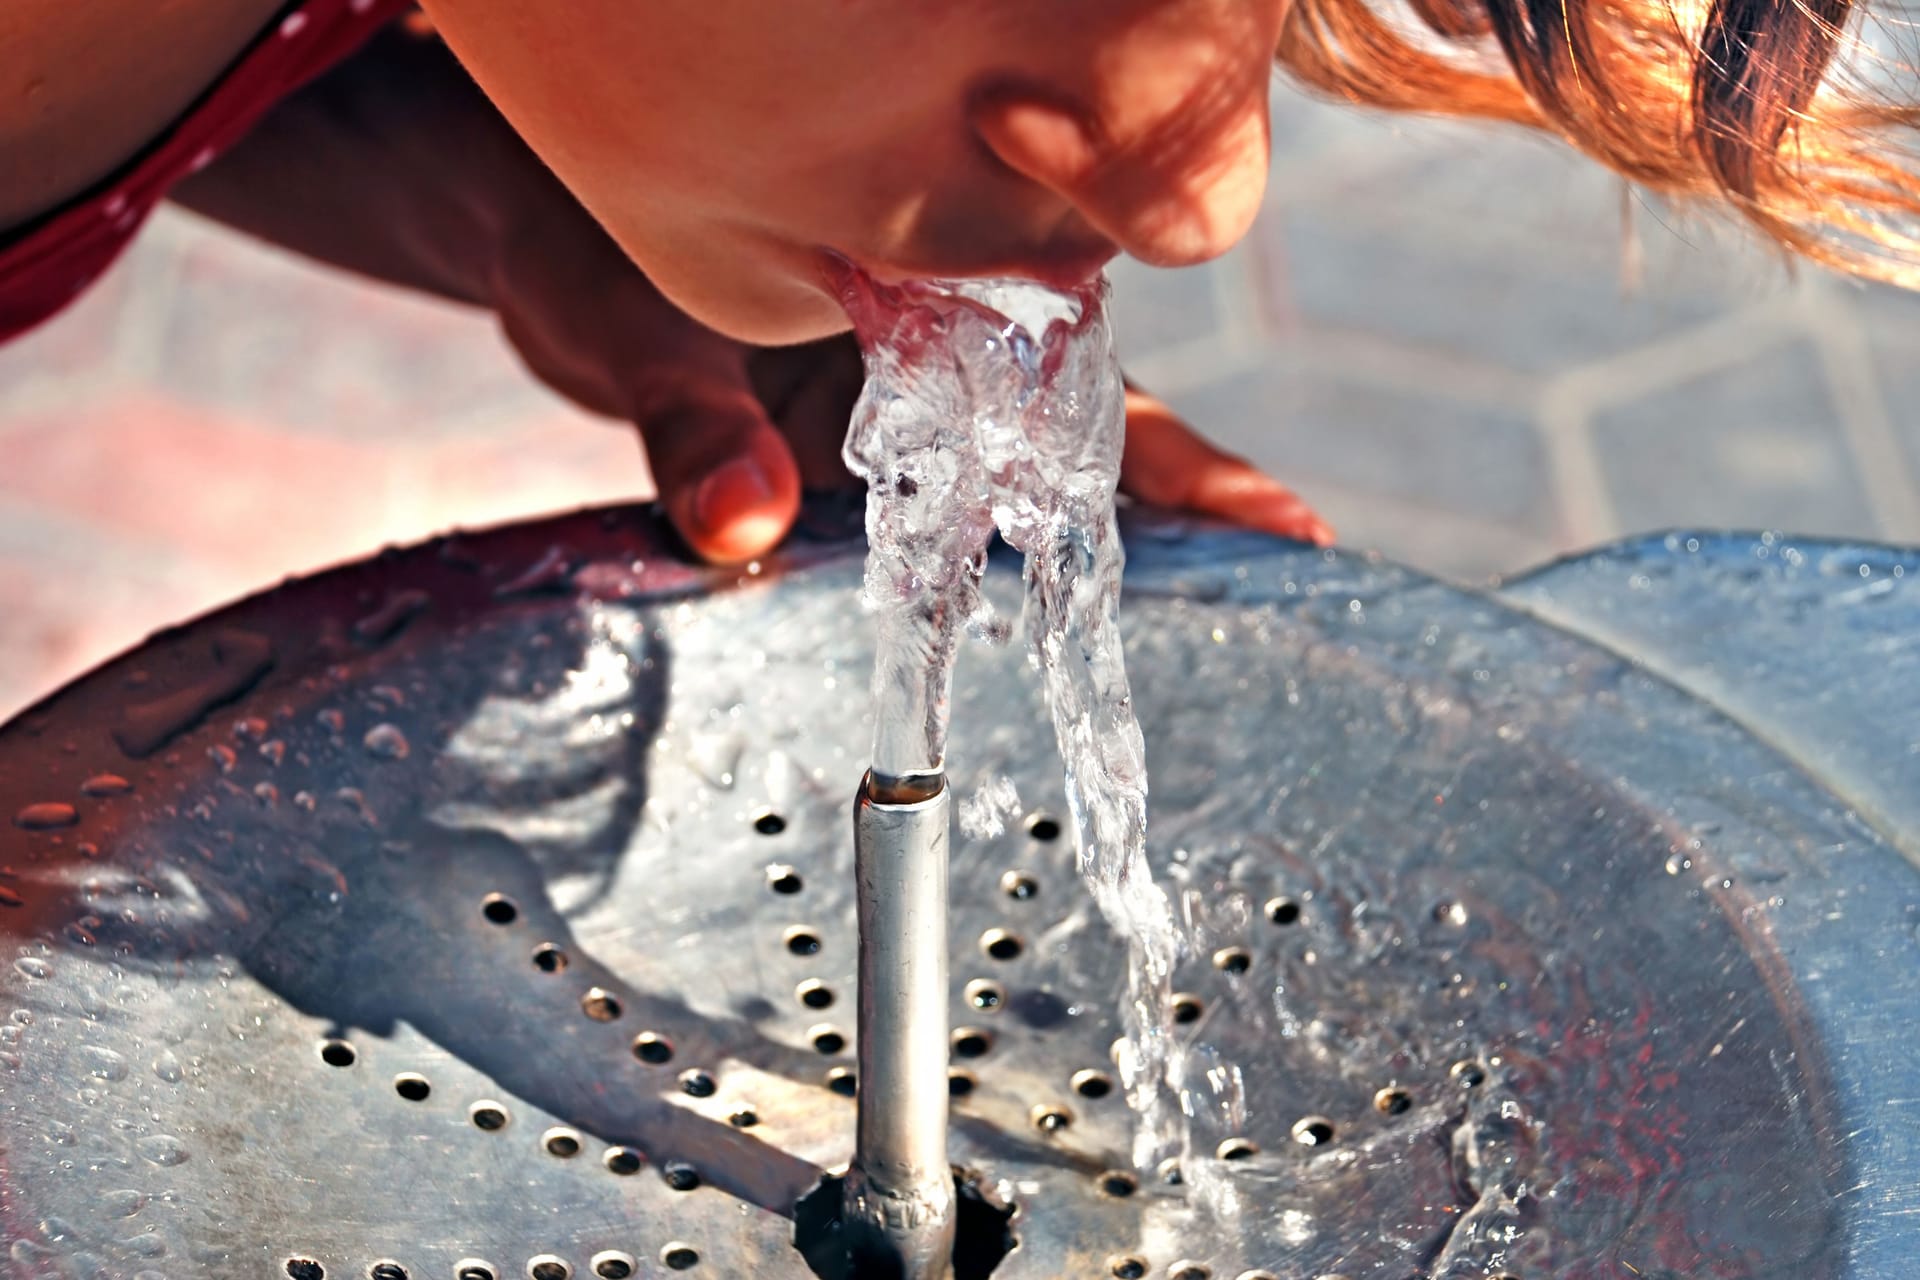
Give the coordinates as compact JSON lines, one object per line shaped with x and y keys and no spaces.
{"x":1163,"y":151}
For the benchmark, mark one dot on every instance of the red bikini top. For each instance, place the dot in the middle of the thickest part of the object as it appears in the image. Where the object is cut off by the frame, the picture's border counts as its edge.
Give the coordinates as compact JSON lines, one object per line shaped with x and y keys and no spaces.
{"x":51,"y":261}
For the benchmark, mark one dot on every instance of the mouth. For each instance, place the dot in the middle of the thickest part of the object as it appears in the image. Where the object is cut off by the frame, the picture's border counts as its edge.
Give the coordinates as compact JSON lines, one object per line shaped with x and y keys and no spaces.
{"x":1065,"y":265}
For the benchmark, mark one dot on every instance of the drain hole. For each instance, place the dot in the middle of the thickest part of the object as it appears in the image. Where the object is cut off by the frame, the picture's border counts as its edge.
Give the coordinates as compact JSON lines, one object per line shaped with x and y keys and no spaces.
{"x":387,"y":1271}
{"x":490,"y":1116}
{"x":1392,"y":1102}
{"x":474,"y":1269}
{"x":305,"y":1269}
{"x":744,"y":1118}
{"x":1468,"y":1074}
{"x":784,"y":879}
{"x":613,"y":1266}
{"x":1049,"y":1119}
{"x":499,"y":908}
{"x":1190,"y":1271}
{"x":803,"y":942}
{"x":1127,"y":1268}
{"x":412,"y":1087}
{"x":680,"y":1257}
{"x":1118,"y":1183}
{"x":1283,"y":911}
{"x":1232,"y":960}
{"x":1241,"y":1148}
{"x":1043,"y":827}
{"x":1187,"y":1009}
{"x":1019,"y":885}
{"x":814,"y":994}
{"x":971,"y":1042}
{"x":826,"y":1039}
{"x":769,"y":824}
{"x":548,"y":1267}
{"x":960,"y":1083}
{"x":624,"y":1161}
{"x":697,"y":1084}
{"x":548,"y":958}
{"x":680,"y":1175}
{"x":982,"y":994}
{"x":564,"y":1143}
{"x":652,"y":1048}
{"x":1313,"y":1131}
{"x":1001,"y":945}
{"x":841,"y":1081}
{"x":981,"y":1237}
{"x":337,"y":1053}
{"x":600,"y":1004}
{"x":1092,"y":1084}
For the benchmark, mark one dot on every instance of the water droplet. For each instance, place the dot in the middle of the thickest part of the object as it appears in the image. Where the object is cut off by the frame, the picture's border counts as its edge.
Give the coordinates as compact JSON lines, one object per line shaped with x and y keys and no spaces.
{"x":9,"y":1062}
{"x":305,"y":800}
{"x":123,"y":1204}
{"x":103,"y":1063}
{"x":162,"y":1149}
{"x":335,"y":721}
{"x":8,"y":898}
{"x":105,"y":784}
{"x":148,"y":1244}
{"x":33,"y":967}
{"x":267,"y":794}
{"x":47,"y":816}
{"x":223,"y":756}
{"x":273,"y":752}
{"x":387,"y":742}
{"x":82,"y":932}
{"x":167,"y":1067}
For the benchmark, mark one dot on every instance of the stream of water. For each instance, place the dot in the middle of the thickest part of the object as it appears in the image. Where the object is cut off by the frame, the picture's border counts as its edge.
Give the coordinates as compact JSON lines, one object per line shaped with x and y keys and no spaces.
{"x":999,"y":405}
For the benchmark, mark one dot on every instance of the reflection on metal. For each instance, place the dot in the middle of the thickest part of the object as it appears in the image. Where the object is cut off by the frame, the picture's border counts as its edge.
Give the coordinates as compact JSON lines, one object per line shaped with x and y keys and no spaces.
{"x":459,"y":920}
{"x":899,"y":1196}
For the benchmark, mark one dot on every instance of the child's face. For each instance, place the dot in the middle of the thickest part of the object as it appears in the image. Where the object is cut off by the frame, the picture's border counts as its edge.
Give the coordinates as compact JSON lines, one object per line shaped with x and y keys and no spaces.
{"x":732,"y":146}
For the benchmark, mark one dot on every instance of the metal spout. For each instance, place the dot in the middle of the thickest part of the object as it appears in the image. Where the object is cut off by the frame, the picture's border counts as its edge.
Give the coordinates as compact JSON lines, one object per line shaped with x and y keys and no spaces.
{"x":899,"y":1207}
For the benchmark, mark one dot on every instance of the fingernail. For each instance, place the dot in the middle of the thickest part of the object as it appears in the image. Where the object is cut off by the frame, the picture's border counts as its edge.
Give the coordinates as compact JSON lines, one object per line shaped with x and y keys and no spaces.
{"x":739,"y":488}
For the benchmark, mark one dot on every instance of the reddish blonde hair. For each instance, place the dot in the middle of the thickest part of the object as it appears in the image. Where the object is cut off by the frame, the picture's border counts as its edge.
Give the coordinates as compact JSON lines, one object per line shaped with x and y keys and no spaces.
{"x":1741,"y":100}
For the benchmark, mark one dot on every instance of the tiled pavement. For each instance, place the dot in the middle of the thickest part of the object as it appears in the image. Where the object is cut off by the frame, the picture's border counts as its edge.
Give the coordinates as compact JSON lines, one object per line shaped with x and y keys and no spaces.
{"x":1428,"y":333}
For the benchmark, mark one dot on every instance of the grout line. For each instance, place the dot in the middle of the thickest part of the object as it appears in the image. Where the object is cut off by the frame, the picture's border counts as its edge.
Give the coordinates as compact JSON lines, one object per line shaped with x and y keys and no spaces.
{"x":1885,"y":474}
{"x":1586,"y":511}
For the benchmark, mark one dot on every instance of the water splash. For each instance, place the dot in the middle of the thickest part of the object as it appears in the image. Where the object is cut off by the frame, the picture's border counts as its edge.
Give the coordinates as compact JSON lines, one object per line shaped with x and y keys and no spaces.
{"x":999,"y":405}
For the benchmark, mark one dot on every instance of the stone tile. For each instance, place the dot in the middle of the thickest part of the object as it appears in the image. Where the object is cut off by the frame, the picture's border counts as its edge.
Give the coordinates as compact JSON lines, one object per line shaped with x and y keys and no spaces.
{"x":1153,"y":310}
{"x":1891,"y":320}
{"x":250,"y":331}
{"x":1303,"y":425}
{"x":1475,"y":302}
{"x":1758,"y":445}
{"x":68,"y":355}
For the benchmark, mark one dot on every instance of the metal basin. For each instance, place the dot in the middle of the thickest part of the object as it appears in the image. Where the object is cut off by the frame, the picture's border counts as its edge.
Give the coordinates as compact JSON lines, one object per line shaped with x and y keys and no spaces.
{"x":485,"y":910}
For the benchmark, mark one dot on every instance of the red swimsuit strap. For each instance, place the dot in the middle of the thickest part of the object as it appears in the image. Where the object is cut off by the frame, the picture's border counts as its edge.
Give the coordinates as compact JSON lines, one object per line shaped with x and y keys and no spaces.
{"x":52,"y":261}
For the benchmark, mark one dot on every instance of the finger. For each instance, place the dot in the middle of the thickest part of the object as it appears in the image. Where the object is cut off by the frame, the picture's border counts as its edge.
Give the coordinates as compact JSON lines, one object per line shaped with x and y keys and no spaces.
{"x":1167,"y":464}
{"x":726,"y":477}
{"x":815,"y":416}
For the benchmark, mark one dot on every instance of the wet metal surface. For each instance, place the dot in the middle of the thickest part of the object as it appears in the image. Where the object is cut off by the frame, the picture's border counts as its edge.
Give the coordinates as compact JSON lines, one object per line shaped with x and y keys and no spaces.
{"x":487,"y":910}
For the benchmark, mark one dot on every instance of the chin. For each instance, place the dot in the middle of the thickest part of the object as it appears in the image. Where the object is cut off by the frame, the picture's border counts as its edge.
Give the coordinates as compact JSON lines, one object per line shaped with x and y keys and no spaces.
{"x":781,"y":304}
{"x":786,"y":322}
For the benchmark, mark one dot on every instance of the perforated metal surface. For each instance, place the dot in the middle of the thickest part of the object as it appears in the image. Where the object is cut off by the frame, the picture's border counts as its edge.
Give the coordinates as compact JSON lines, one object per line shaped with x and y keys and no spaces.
{"x":486,"y":909}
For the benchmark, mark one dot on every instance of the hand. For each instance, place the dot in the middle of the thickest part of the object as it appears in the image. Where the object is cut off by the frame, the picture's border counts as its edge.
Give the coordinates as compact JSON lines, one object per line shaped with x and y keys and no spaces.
{"x":735,"y":433}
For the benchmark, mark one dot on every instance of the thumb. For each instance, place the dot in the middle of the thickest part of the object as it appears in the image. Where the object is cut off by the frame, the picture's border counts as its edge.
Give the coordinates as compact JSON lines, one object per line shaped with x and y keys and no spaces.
{"x":727,"y":479}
